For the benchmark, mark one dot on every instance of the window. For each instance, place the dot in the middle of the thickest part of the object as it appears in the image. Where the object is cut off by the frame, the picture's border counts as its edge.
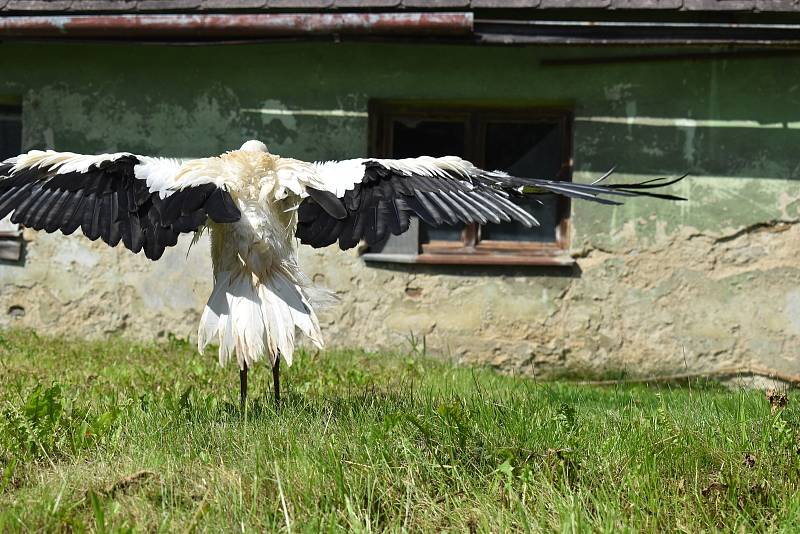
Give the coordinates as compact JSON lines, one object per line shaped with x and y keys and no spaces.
{"x":10,"y":145}
{"x":530,"y":142}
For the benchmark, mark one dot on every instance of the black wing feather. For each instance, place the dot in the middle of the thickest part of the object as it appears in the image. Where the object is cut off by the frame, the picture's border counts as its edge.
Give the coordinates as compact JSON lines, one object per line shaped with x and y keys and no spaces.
{"x":91,"y":215}
{"x":73,"y":218}
{"x":221,"y":207}
{"x":106,"y":218}
{"x":329,"y":202}
{"x":350,"y":235}
{"x":56,"y":212}
{"x":137,"y":232}
{"x":425,"y":210}
{"x":13,"y":197}
{"x":36,"y":212}
{"x":25,"y":205}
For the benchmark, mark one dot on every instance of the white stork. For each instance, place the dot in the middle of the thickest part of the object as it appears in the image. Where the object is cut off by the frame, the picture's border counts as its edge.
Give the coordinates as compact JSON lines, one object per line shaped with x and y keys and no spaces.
{"x":255,"y":204}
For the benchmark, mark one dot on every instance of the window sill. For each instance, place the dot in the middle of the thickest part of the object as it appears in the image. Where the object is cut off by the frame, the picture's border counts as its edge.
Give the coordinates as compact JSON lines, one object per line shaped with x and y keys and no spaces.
{"x":10,"y":248}
{"x":561,"y":260}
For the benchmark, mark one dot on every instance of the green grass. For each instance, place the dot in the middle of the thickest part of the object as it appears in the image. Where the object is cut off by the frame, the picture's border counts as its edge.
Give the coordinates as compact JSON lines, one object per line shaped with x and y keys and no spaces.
{"x":114,"y":436}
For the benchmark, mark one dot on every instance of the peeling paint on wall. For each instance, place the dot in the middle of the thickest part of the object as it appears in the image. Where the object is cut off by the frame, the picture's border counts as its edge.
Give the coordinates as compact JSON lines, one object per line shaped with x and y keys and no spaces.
{"x":58,"y":115}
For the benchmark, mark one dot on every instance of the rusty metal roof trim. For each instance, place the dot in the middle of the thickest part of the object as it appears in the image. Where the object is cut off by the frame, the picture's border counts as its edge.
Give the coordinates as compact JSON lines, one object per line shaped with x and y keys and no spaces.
{"x":238,"y":26}
{"x":205,"y":6}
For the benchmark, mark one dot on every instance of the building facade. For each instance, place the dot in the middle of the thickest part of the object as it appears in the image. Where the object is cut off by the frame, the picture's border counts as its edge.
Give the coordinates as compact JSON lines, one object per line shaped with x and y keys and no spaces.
{"x":648,"y":287}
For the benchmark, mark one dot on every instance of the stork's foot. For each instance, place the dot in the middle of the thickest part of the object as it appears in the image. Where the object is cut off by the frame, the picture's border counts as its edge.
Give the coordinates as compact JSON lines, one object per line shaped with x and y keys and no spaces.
{"x":243,"y":388}
{"x":276,"y":381}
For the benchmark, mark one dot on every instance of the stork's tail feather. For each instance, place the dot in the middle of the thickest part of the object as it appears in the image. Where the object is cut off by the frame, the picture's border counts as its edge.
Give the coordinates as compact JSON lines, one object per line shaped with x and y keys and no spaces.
{"x":253,"y":318}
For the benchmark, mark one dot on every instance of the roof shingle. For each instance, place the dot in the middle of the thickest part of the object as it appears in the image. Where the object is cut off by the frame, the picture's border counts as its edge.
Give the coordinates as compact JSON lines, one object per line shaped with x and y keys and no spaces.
{"x":778,"y":5}
{"x":300,"y":4}
{"x":648,"y":4}
{"x":211,"y":5}
{"x":356,"y":4}
{"x":38,"y":5}
{"x":575,"y":4}
{"x":162,"y":5}
{"x":723,"y":5}
{"x":107,"y":5}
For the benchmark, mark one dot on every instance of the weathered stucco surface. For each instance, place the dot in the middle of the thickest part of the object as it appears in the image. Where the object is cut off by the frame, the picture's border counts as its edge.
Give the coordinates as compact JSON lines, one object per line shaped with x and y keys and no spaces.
{"x":657,"y":287}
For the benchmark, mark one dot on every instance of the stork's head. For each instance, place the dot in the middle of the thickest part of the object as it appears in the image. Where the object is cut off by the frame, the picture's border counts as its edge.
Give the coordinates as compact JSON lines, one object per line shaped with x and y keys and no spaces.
{"x":254,"y":146}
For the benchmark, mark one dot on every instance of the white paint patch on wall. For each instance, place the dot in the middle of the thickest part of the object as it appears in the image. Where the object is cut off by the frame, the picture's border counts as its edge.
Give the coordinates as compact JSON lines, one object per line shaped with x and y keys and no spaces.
{"x":683,"y":122}
{"x":307,"y":112}
{"x":618,"y":91}
{"x":689,"y":150}
{"x":630,"y":111}
{"x":74,"y":251}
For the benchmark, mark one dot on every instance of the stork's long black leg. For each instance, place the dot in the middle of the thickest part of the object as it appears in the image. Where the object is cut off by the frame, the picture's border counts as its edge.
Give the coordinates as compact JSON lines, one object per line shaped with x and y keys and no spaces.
{"x":243,"y":386}
{"x":276,"y":380}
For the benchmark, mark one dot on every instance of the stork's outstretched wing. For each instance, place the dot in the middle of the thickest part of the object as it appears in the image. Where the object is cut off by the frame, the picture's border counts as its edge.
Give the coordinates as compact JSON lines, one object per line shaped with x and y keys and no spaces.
{"x":121,"y":196}
{"x":367,"y":199}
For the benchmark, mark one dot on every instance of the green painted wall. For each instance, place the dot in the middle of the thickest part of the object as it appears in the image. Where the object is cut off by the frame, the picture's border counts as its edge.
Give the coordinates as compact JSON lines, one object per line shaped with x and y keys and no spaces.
{"x":733,"y":124}
{"x":189,"y":100}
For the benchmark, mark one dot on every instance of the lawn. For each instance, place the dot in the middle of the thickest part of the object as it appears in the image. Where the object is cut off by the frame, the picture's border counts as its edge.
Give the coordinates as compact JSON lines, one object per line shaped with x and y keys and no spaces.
{"x":115,"y":435}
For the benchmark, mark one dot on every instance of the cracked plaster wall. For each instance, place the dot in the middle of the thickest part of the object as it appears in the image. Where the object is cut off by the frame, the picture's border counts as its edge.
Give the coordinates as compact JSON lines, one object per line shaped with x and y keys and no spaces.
{"x":656,"y":287}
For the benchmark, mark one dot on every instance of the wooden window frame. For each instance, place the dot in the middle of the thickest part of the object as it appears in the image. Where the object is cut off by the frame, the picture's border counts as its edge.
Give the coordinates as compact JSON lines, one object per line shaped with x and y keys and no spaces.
{"x":471,"y":250}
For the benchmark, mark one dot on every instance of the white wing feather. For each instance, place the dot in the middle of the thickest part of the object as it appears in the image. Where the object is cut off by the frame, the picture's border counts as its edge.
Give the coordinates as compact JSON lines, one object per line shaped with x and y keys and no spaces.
{"x":61,"y":162}
{"x":338,"y":177}
{"x":159,"y":173}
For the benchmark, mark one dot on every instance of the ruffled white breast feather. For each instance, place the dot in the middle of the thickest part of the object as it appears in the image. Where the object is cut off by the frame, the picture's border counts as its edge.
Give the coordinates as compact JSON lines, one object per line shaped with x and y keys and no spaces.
{"x":293,"y":175}
{"x":250,"y":175}
{"x":215,"y":170}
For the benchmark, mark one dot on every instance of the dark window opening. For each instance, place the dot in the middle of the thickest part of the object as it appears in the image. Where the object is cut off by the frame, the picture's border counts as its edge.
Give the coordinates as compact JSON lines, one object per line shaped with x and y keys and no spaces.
{"x":10,"y":131}
{"x":10,"y":146}
{"x":530,"y":142}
